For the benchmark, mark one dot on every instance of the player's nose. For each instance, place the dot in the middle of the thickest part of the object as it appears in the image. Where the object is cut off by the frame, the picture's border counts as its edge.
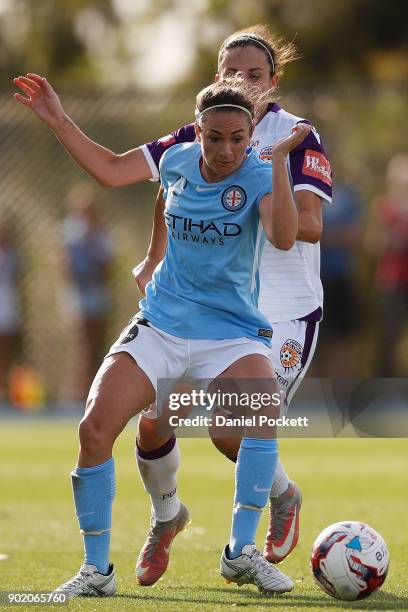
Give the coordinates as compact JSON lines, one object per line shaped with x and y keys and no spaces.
{"x":226,"y":151}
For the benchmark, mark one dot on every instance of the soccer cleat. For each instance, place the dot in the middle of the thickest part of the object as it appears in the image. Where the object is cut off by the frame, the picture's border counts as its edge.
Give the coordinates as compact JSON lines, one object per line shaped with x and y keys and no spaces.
{"x":88,"y":582}
{"x":154,"y":556}
{"x":283,"y":532}
{"x":251,"y":568}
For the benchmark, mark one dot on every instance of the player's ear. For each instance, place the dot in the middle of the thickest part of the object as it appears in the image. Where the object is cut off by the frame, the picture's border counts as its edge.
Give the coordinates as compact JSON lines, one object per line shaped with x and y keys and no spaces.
{"x":198,"y":131}
{"x":217,"y":77}
{"x":274,"y":82}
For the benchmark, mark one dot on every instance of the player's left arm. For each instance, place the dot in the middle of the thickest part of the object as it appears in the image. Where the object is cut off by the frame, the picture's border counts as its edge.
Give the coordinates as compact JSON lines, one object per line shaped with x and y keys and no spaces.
{"x":312,"y":184}
{"x":310,"y":216}
{"x":277,"y":210}
{"x":143,"y":272}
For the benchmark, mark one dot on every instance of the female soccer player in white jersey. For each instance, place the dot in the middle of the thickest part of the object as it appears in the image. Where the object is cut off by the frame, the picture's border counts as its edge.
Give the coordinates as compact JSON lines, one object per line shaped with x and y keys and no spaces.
{"x":199,"y":316}
{"x":291,"y":297}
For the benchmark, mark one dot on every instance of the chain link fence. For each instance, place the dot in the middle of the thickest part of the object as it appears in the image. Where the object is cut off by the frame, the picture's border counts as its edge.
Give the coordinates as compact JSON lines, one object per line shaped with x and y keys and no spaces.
{"x":361,"y":132}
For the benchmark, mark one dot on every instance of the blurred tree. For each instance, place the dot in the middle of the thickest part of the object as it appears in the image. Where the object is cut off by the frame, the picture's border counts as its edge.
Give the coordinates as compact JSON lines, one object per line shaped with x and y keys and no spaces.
{"x":48,"y":37}
{"x":148,"y":43}
{"x":337,"y":39}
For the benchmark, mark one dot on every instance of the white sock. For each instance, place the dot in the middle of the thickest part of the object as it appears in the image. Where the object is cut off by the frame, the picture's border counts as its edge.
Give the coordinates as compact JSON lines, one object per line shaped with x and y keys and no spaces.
{"x":280,"y":481}
{"x":159,"y":475}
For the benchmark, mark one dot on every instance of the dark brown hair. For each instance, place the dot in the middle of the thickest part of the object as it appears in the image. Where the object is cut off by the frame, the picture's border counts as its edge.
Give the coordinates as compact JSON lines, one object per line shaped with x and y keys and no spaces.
{"x":232,"y":91}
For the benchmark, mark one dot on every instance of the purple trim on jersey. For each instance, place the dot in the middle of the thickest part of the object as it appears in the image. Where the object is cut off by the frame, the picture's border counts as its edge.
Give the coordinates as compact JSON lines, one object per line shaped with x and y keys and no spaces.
{"x":314,"y":316}
{"x":158,"y":453}
{"x":297,"y":159}
{"x":186,"y":133}
{"x":309,"y":337}
{"x":273,"y":107}
{"x":157,"y":147}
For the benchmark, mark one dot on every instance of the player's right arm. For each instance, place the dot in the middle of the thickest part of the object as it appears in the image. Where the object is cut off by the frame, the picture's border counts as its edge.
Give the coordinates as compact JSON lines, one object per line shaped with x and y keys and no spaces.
{"x":158,"y":243}
{"x":108,"y":168}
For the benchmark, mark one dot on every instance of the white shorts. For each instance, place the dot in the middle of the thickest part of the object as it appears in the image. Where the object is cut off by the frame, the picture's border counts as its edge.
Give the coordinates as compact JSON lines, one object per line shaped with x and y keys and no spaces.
{"x":293,"y":347}
{"x":163,"y":356}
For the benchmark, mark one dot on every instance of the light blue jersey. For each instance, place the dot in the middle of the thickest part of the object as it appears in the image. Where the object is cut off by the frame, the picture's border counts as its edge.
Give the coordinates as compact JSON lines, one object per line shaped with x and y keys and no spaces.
{"x":207,"y":285}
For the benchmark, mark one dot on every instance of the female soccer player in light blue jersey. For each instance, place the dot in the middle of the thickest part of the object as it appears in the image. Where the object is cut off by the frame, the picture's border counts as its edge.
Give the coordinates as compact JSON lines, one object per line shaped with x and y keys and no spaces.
{"x":199,"y":317}
{"x":291,"y":298}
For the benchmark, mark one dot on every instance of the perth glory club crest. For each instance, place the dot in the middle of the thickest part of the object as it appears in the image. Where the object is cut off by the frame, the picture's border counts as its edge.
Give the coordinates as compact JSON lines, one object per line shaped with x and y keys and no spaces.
{"x":291,"y":355}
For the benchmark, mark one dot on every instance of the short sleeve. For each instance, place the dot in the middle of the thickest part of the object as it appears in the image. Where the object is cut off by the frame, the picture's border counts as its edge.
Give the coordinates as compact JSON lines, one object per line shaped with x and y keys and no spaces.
{"x":310,"y":168}
{"x":153,"y":151}
{"x":264,"y":180}
{"x":163,"y":173}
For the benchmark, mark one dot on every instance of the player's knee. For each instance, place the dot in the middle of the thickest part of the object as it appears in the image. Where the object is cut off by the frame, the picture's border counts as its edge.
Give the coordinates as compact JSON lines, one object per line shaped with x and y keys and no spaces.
{"x":147,"y":432}
{"x":147,"y":427}
{"x":92,"y":434}
{"x":147,"y":436}
{"x":88,"y":435}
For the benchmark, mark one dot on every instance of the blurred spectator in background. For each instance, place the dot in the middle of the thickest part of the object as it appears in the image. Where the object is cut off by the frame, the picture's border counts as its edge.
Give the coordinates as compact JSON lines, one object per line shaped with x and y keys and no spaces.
{"x":88,"y":255}
{"x":341,"y":235}
{"x":9,"y":305}
{"x":387,"y":242}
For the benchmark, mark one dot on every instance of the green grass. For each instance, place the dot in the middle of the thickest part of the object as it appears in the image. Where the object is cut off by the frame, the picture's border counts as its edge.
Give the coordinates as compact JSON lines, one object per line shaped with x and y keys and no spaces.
{"x":363,"y":479}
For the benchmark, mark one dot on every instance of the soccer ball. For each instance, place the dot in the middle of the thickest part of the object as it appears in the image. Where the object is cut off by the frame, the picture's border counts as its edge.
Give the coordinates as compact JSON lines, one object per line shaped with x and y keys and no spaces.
{"x":349,"y":560}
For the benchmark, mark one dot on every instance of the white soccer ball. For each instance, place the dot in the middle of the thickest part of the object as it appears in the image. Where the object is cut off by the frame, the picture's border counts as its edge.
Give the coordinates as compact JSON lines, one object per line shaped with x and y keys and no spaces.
{"x":349,"y":560}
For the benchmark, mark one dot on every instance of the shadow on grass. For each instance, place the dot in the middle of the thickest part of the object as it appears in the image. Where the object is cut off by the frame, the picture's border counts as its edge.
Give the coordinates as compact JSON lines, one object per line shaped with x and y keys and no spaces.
{"x":380,"y":601}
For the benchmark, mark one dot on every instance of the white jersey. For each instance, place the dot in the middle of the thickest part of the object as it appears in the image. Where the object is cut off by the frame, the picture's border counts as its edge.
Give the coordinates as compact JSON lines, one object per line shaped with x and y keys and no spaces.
{"x":290,"y":286}
{"x":290,"y":280}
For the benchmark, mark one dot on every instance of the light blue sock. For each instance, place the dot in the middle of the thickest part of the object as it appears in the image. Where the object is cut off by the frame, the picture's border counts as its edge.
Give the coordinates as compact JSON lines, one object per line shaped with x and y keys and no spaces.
{"x":254,"y":474}
{"x":94,"y":491}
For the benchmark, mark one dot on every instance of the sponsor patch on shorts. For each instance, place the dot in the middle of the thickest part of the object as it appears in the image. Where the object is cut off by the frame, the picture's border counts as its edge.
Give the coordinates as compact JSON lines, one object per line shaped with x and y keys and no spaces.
{"x":265,"y":333}
{"x":129,"y":334}
{"x":290,"y":354}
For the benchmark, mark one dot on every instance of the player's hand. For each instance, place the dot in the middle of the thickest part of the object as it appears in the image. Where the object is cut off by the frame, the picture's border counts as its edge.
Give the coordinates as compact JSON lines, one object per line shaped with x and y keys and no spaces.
{"x":40,"y":97}
{"x":286,"y":145}
{"x":143,"y":272}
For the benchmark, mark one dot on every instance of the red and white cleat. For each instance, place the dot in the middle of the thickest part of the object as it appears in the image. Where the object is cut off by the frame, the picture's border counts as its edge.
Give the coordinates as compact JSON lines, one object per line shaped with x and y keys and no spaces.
{"x":154,"y":556}
{"x":283,"y":532}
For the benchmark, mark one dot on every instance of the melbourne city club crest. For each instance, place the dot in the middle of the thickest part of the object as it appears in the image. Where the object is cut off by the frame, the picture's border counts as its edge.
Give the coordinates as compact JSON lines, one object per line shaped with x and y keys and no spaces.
{"x":234,"y":198}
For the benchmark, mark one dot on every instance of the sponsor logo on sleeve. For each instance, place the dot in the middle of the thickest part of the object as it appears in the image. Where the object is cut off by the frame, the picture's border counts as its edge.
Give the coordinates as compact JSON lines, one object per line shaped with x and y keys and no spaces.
{"x":315,"y":164}
{"x":233,"y":198}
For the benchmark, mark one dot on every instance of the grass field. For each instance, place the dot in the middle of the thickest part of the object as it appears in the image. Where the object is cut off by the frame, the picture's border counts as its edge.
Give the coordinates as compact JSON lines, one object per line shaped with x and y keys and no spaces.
{"x":363,"y":479}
